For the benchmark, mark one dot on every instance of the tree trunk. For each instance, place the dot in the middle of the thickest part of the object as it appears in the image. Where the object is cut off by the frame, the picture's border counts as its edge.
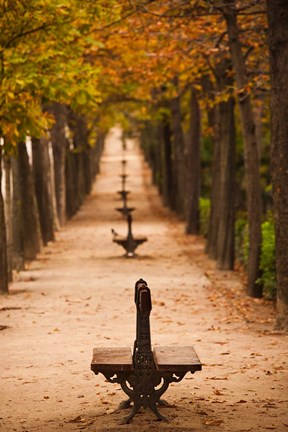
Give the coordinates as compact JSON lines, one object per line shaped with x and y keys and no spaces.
{"x":167,"y":162}
{"x":225,"y":179}
{"x":8,"y":214}
{"x":59,"y":144}
{"x":179,"y":174}
{"x":78,"y":127}
{"x":278,"y":44}
{"x":43,"y":187}
{"x":97,"y":153}
{"x":193,"y":167}
{"x":226,"y":223}
{"x":152,"y":152}
{"x":17,"y":219}
{"x":214,"y":122}
{"x":254,"y":206}
{"x":72,"y":204}
{"x":30,"y":214}
{"x":3,"y":240}
{"x":56,"y":221}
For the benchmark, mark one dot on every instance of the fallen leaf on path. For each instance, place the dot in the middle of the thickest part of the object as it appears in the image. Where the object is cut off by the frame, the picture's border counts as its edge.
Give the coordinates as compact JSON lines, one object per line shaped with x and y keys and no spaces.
{"x":269,"y":405}
{"x":273,"y":333}
{"x":212,"y":364}
{"x":110,"y":411}
{"x":218,"y":392}
{"x":77,"y":419}
{"x":213,"y":422}
{"x":202,"y":413}
{"x":29,"y":279}
{"x":278,"y":367}
{"x":219,"y":378}
{"x":85,"y":424}
{"x":159,"y":303}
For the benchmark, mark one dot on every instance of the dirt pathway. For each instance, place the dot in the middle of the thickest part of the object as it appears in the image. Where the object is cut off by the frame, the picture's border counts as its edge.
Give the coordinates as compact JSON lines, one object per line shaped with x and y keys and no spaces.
{"x":79,"y":294}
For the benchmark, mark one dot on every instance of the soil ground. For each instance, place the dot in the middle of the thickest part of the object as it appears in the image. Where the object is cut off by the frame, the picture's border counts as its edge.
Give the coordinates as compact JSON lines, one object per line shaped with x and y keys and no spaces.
{"x":79,"y":294}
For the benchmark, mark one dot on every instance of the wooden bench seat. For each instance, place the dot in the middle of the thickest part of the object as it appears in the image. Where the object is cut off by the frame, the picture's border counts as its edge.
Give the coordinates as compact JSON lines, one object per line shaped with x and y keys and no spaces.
{"x":167,"y":359}
{"x":112,"y":359}
{"x":176,"y":359}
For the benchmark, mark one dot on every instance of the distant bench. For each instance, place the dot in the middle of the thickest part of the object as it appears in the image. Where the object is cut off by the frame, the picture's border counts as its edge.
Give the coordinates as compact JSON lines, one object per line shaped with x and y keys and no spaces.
{"x":145,"y":374}
{"x":129,"y":243}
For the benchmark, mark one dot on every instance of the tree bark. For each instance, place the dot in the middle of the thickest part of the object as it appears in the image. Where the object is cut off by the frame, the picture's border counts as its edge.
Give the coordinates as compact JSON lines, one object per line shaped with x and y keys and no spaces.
{"x":3,"y":240}
{"x":56,"y":221}
{"x":72,"y":204}
{"x":97,"y":153}
{"x":78,"y":127}
{"x":214,"y":122}
{"x":8,"y":214}
{"x":59,"y":145}
{"x":167,"y":162}
{"x":179,"y":174}
{"x":31,"y":225}
{"x":225,"y":180}
{"x":193,"y":167}
{"x":43,"y":187}
{"x":152,"y":152}
{"x":17,"y":219}
{"x":278,"y":44}
{"x":254,"y":206}
{"x":226,"y":223}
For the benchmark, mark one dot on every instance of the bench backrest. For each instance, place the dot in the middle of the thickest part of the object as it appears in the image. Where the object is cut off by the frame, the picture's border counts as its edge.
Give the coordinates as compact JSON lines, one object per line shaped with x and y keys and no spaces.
{"x":130,"y":236}
{"x":142,"y":346}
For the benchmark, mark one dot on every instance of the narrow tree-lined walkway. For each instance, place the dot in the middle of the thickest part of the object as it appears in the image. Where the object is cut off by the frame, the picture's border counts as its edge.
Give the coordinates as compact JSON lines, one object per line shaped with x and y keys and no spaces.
{"x":79,"y":294}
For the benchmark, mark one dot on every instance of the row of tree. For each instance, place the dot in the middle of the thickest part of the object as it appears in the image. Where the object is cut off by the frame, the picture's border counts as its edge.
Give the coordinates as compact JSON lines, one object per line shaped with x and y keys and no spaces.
{"x":46,"y":181}
{"x":50,"y":134}
{"x":193,"y":77}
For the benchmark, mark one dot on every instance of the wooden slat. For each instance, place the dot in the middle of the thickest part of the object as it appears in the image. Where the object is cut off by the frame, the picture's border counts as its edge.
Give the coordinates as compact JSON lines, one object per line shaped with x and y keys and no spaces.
{"x":178,"y":358}
{"x":111,"y":359}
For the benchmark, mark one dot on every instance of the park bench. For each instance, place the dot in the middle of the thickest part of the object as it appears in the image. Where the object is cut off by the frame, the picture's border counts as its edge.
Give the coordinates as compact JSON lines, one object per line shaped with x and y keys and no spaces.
{"x":125,"y":210}
{"x":123,"y":180}
{"x":145,"y":374}
{"x":124,"y":163}
{"x":129,"y":243}
{"x":123,"y":193}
